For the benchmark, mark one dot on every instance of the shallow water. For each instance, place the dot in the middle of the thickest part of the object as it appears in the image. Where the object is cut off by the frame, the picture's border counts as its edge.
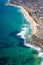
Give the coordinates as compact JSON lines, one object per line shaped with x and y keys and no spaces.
{"x":12,"y":49}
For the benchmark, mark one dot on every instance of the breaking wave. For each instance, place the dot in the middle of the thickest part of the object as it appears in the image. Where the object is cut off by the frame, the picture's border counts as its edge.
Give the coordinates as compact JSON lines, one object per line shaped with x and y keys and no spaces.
{"x":23,"y":32}
{"x":22,"y":35}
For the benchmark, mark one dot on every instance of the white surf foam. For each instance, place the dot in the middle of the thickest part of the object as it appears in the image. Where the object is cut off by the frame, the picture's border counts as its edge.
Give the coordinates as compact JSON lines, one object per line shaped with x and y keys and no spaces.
{"x":40,"y":53}
{"x":32,"y":46}
{"x":41,"y":63}
{"x":24,"y":15}
{"x":23,"y":32}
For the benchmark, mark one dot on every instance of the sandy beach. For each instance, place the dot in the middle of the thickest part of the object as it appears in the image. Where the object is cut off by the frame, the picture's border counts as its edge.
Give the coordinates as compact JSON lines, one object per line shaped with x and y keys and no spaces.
{"x":29,"y":18}
{"x":33,"y":24}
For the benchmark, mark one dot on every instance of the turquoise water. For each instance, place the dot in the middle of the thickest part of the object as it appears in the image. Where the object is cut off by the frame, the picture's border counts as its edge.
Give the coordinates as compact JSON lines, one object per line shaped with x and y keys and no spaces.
{"x":12,"y":50}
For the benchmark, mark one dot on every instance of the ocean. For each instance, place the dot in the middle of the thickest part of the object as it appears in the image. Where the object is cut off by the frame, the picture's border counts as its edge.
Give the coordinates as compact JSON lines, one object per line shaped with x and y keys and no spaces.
{"x":12,"y":49}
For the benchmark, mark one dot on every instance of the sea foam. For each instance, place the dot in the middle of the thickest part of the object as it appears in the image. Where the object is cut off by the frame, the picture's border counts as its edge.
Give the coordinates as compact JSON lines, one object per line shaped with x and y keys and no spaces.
{"x":41,"y":63}
{"x":23,"y":32}
{"x":40,"y":53}
{"x":33,"y":47}
{"x":24,"y":15}
{"x":22,"y":35}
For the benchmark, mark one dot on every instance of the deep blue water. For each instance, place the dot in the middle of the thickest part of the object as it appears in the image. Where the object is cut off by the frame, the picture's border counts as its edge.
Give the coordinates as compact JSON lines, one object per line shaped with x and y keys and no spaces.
{"x":12,"y":50}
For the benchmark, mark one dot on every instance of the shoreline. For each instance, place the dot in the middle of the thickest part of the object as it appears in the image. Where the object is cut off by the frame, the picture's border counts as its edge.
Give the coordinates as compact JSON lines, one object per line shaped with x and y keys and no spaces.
{"x":33,"y":24}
